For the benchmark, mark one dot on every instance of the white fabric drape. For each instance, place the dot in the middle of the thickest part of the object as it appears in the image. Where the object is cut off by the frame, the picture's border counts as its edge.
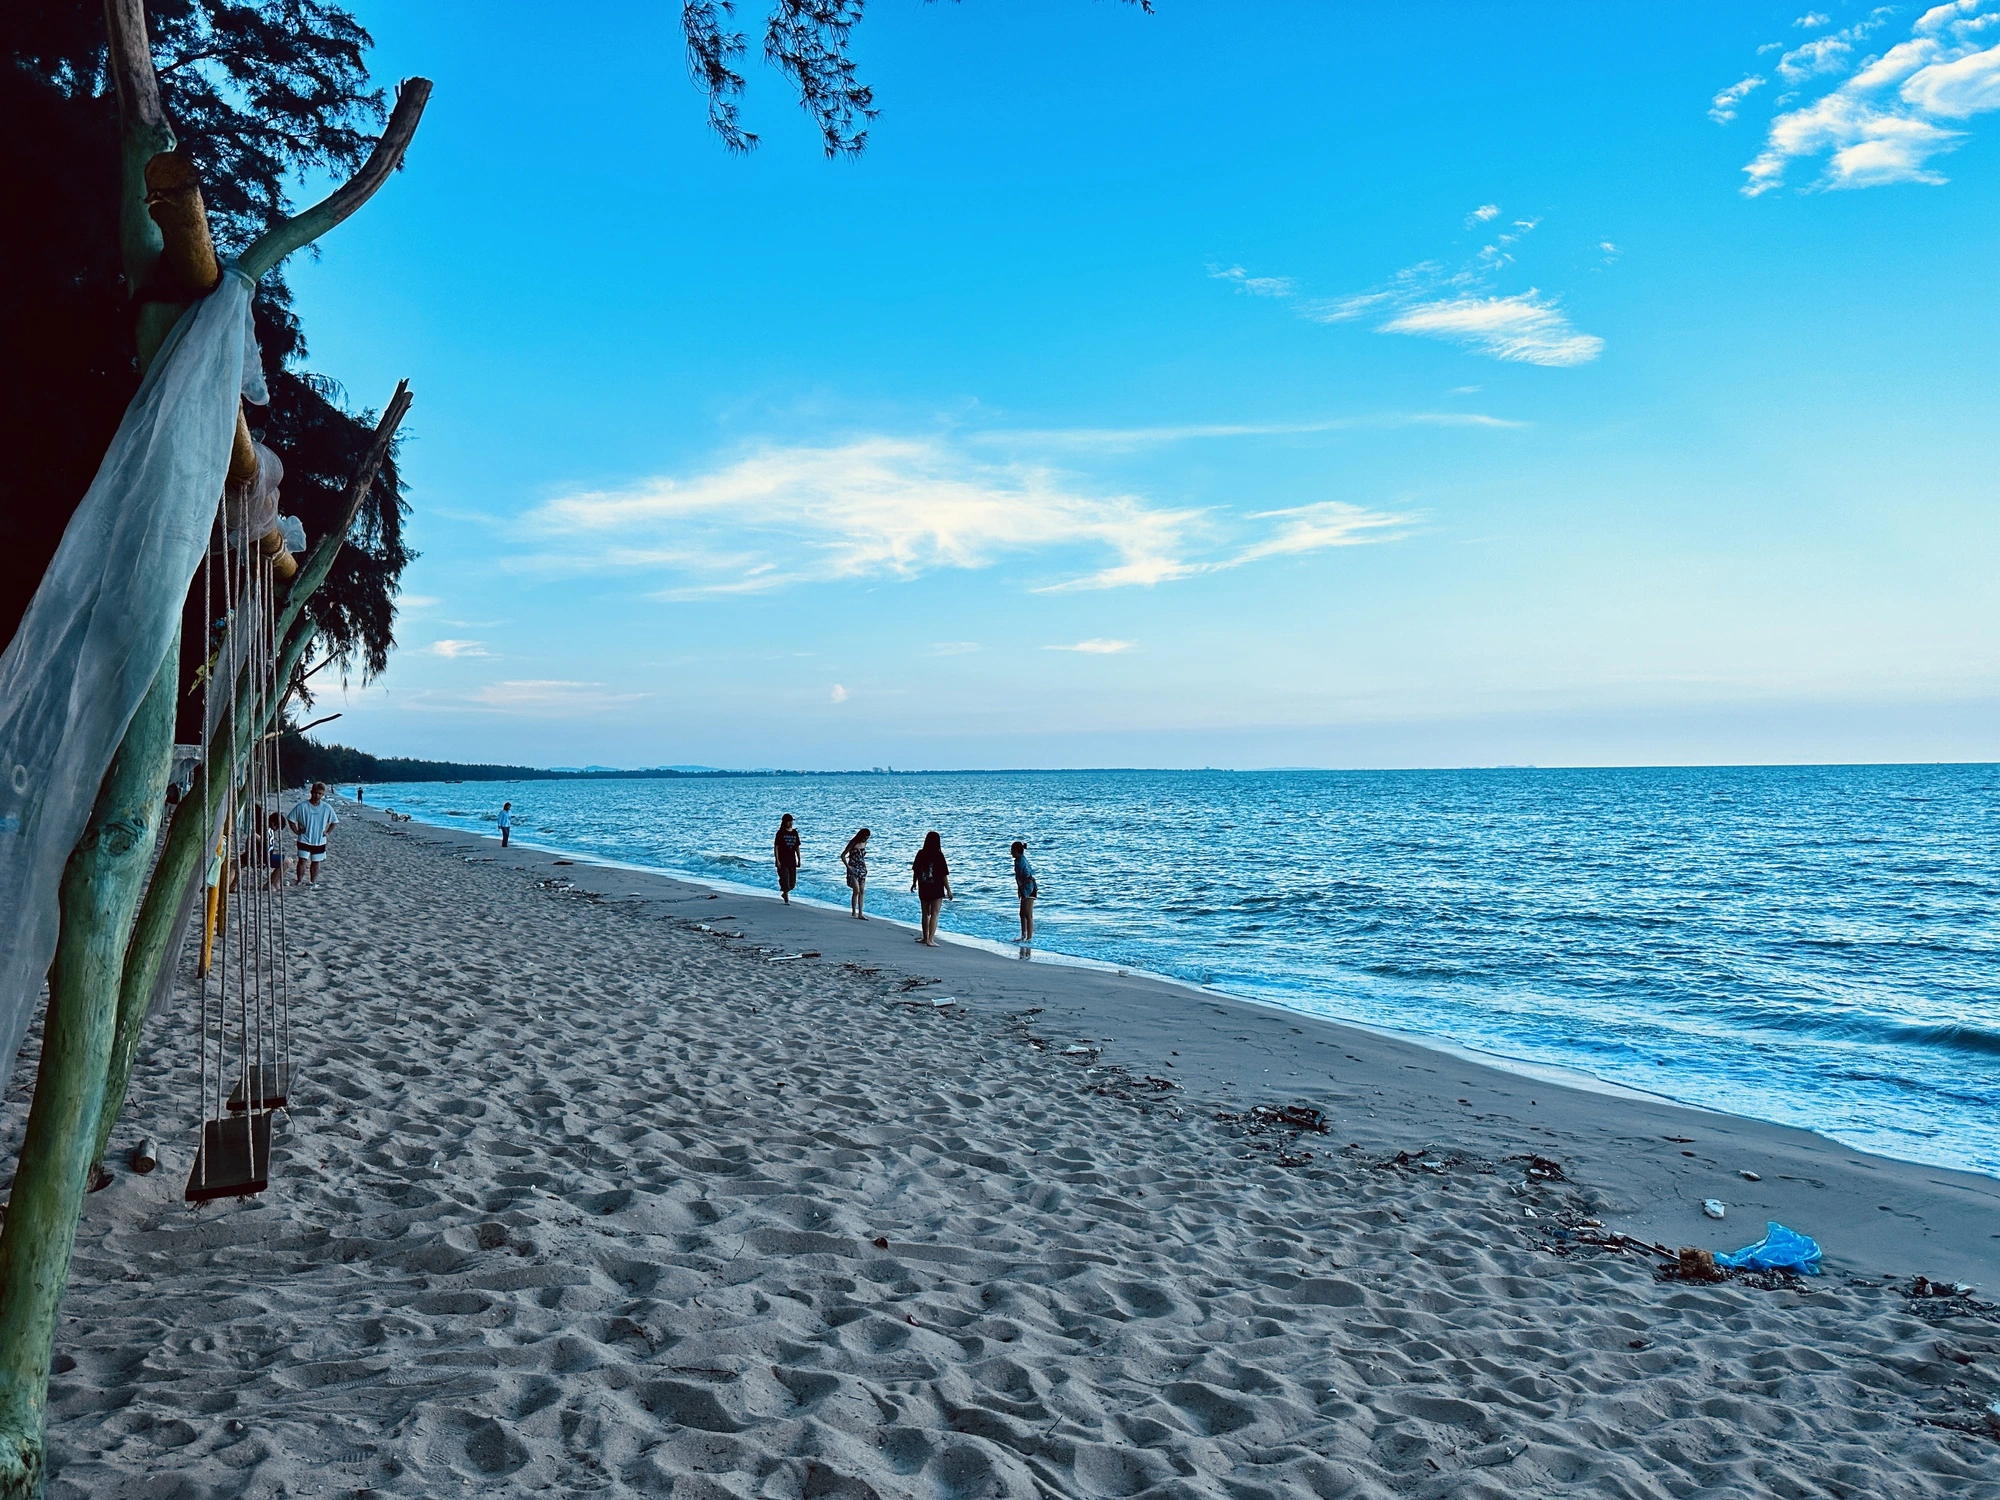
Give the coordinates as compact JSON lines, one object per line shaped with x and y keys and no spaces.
{"x":97,"y":628}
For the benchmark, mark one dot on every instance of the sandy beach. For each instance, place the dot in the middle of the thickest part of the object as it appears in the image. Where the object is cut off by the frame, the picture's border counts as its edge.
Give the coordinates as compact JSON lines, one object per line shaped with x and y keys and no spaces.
{"x":600,"y":1182}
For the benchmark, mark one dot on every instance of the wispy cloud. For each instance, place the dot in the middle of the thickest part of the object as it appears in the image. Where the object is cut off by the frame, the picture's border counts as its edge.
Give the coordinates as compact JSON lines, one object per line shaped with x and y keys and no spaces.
{"x":535,"y":699}
{"x":1526,"y":328}
{"x":1313,"y":528}
{"x":1892,"y":112}
{"x":1463,"y":305}
{"x":955,"y":648}
{"x":878,"y":507}
{"x":1812,"y":19}
{"x":839,"y":694}
{"x":1722,"y":109}
{"x":1256,"y":286}
{"x":456,"y":649}
{"x":1095,"y":647}
{"x":1146,"y":437}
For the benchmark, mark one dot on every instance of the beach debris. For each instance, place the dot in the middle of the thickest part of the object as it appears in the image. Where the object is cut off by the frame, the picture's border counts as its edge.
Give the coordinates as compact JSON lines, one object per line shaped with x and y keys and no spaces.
{"x":1079,"y":1049}
{"x":917,"y":983}
{"x":1696,"y":1264}
{"x":571,"y":862}
{"x":1542,"y":1169}
{"x":880,"y":1242}
{"x":1277,"y":1128}
{"x":1781,"y":1249}
{"x":1748,"y":1176}
{"x":1679,"y":1140}
{"x":1715,"y":1208}
{"x":1923,"y":1286}
{"x":145,"y":1156}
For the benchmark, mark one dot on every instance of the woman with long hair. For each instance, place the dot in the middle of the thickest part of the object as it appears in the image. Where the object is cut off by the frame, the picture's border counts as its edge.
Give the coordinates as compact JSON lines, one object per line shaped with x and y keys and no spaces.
{"x":1027,"y":888}
{"x":930,"y":878}
{"x":854,"y":860}
{"x":785,"y":853}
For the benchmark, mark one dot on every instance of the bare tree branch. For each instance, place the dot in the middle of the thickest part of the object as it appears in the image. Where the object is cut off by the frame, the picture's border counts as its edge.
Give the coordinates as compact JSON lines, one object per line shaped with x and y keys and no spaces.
{"x":302,"y":229}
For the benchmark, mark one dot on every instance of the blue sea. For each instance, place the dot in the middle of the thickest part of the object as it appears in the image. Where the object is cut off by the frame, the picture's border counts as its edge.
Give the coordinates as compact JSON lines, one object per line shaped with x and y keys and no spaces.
{"x":1816,"y":946}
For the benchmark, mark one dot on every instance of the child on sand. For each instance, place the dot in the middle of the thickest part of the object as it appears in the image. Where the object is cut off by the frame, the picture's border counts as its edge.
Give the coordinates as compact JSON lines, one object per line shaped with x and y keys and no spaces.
{"x":274,"y":848}
{"x":506,"y":823}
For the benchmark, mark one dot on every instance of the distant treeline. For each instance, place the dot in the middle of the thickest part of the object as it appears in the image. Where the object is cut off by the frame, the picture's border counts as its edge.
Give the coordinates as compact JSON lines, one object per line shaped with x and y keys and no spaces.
{"x":305,"y":760}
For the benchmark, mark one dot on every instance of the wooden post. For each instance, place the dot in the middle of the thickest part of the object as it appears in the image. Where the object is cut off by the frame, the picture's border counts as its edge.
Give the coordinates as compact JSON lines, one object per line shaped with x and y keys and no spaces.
{"x":100,"y":887}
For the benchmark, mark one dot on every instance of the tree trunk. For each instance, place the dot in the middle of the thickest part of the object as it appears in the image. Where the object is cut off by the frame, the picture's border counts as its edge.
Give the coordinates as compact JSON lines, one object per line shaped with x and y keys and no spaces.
{"x":100,"y":889}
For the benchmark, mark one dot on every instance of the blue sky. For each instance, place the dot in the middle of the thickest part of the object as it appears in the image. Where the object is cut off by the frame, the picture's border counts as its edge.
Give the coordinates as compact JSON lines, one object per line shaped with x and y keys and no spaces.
{"x":1247,"y":384}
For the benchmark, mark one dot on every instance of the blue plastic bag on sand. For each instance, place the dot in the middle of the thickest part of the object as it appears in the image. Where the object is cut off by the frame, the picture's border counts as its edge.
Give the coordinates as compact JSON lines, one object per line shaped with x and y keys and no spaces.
{"x":1781,"y":1249}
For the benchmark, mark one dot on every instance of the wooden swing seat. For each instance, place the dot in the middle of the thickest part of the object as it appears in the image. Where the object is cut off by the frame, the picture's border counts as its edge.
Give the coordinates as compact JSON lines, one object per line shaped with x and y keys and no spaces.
{"x":272,"y":1089}
{"x":234,"y":1160}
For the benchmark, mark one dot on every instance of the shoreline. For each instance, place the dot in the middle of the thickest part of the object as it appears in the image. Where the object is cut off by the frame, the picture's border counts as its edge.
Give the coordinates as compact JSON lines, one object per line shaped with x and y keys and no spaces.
{"x":1555,"y":1075}
{"x":1872,"y":1214}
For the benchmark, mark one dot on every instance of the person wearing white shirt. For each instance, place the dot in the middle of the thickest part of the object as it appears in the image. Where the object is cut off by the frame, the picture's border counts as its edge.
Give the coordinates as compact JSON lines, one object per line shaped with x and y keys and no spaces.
{"x":310,"y":820}
{"x":506,"y":823}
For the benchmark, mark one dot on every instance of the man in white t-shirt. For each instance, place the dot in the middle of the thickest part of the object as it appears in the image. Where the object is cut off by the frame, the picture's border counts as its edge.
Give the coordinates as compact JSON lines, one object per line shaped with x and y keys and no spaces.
{"x":310,"y":821}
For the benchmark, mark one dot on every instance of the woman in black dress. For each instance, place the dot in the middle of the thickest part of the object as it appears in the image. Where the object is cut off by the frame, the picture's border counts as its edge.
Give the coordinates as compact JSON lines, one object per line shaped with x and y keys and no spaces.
{"x":930,"y":878}
{"x":785,"y":852}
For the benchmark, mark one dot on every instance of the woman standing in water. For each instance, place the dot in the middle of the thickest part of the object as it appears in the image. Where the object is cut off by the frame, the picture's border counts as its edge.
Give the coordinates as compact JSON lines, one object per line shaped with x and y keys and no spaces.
{"x":1027,"y":889}
{"x":785,"y":853}
{"x":854,"y":860}
{"x":930,"y":878}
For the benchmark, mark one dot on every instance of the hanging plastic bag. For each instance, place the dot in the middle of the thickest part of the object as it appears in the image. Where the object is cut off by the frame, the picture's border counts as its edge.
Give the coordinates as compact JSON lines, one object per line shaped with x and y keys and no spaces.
{"x":97,"y":629}
{"x":1781,"y":1249}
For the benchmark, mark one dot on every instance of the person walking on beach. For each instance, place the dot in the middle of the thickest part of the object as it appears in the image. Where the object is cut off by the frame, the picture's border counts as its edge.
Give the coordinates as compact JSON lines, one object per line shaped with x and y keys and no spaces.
{"x":785,"y":854}
{"x":506,"y":823}
{"x":854,"y":860}
{"x":1026,"y":888}
{"x":310,"y":821}
{"x":930,"y":878}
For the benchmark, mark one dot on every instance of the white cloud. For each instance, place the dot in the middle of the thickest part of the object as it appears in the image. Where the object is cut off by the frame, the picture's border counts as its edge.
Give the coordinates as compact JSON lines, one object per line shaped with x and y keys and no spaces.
{"x":1722,"y":109}
{"x":1313,"y":528}
{"x":1827,"y":54}
{"x":455,"y":649}
{"x":1482,"y":213}
{"x":545,"y":698}
{"x":876,"y":507}
{"x":839,"y":693}
{"x":1256,"y":286}
{"x":1812,"y":19}
{"x":1884,"y":122}
{"x":407,"y":603}
{"x":1144,"y":437}
{"x":1429,"y":300}
{"x":1526,"y":329}
{"x":1095,"y":647}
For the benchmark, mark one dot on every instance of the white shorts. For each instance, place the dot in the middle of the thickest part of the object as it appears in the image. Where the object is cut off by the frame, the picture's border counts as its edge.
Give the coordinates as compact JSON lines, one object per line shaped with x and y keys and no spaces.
{"x":312,"y":853}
